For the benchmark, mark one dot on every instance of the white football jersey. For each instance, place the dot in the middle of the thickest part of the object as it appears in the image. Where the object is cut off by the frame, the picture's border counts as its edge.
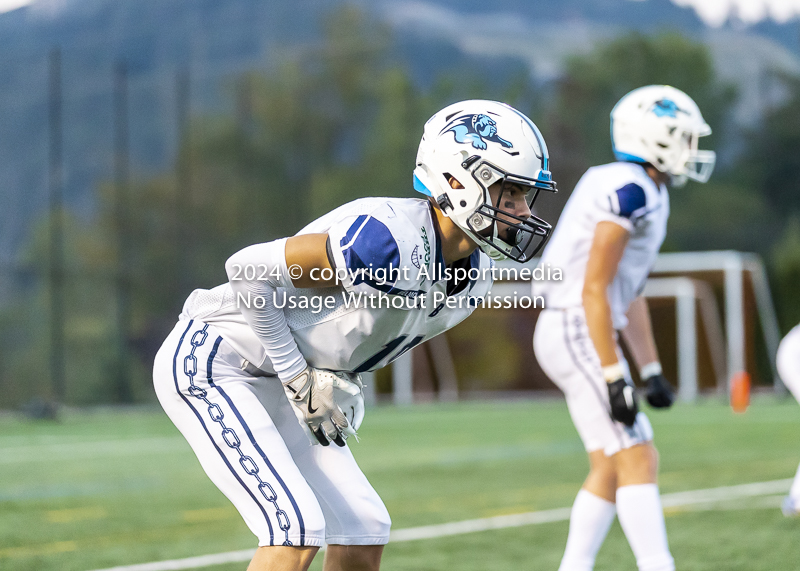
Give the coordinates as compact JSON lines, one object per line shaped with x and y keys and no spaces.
{"x":620,"y":192}
{"x":395,"y":238}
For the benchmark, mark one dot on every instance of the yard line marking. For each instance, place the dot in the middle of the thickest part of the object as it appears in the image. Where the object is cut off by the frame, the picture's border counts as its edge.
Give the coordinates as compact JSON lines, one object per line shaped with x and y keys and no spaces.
{"x":726,"y":493}
{"x":191,"y":562}
{"x":482,"y":524}
{"x":677,"y":499}
{"x":760,"y":502}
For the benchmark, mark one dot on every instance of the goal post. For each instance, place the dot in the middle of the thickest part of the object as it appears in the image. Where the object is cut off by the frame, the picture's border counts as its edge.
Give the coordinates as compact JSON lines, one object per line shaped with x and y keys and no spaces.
{"x":718,"y":298}
{"x":741,"y":276}
{"x":689,"y":295}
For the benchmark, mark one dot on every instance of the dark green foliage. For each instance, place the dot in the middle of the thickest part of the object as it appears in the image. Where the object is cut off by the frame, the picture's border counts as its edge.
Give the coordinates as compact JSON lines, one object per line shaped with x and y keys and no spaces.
{"x":770,"y":170}
{"x":339,"y":120}
{"x":772,"y":165}
{"x":330,"y":123}
{"x":786,"y":275}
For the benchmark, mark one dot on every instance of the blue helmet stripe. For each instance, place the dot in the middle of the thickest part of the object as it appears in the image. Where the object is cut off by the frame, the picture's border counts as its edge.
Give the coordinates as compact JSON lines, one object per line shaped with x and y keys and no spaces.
{"x":419,"y":187}
{"x":627,"y":157}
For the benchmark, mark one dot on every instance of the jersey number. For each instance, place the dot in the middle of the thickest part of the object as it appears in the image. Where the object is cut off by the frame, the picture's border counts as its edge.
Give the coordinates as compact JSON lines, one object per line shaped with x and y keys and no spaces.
{"x":387,"y":350}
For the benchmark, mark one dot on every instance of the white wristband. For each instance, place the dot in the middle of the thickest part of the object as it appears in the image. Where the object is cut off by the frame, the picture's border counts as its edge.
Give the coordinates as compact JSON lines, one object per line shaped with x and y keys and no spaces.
{"x":650,"y":370}
{"x":613,"y":372}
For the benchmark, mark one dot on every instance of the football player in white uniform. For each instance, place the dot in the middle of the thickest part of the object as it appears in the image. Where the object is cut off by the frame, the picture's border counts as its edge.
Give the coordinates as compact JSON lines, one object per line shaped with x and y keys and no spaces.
{"x":788,"y":361}
{"x":261,"y":374}
{"x":606,"y":243}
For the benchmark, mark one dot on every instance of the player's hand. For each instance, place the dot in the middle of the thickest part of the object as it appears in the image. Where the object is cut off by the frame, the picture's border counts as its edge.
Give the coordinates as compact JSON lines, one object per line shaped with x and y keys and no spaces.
{"x":622,"y":397}
{"x":659,"y":392}
{"x":349,"y":396}
{"x":311,"y":392}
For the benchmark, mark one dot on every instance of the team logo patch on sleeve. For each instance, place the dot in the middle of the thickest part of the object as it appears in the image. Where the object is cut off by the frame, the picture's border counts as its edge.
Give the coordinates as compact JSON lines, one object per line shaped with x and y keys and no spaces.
{"x":475,"y":129}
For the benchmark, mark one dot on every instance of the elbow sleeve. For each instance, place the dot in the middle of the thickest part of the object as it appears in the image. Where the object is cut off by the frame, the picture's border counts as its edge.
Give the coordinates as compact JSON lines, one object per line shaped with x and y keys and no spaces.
{"x":255,"y":272}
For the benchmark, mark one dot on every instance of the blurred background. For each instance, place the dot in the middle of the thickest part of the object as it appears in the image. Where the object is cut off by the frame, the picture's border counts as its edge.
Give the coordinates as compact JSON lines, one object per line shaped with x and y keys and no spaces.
{"x":142,"y":142}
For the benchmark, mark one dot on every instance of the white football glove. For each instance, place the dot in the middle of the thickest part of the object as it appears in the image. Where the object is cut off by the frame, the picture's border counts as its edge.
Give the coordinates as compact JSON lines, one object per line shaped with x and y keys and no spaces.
{"x":348,"y":392}
{"x":317,"y":395}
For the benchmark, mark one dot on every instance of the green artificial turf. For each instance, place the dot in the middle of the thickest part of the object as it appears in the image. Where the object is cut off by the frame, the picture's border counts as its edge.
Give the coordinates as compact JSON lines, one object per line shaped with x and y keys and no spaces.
{"x":108,"y":488}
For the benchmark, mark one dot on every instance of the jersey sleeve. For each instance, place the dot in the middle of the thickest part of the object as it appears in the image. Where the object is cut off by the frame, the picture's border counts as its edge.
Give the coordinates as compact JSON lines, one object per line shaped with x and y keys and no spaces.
{"x":372,"y":253}
{"x":623,"y":204}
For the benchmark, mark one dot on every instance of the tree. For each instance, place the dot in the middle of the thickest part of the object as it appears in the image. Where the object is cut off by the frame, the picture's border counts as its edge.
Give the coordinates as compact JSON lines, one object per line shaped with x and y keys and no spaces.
{"x":772,"y":161}
{"x":327,"y":124}
{"x":770,"y":168}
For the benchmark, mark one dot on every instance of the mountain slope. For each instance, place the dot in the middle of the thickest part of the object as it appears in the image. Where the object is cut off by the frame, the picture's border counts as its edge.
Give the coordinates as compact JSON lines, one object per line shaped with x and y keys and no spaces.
{"x":214,"y":40}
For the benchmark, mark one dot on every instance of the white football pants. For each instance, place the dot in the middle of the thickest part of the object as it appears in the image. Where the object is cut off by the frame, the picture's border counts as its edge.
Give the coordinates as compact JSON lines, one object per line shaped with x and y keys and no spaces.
{"x":249,"y":442}
{"x":566,"y":354}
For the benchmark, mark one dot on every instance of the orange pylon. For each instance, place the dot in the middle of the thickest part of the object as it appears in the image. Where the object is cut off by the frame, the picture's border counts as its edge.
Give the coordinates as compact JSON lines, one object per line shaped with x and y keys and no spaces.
{"x":740,"y":391}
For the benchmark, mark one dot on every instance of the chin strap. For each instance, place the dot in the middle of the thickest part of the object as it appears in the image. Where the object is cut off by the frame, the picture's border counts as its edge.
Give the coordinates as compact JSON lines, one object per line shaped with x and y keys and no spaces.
{"x":493,"y":252}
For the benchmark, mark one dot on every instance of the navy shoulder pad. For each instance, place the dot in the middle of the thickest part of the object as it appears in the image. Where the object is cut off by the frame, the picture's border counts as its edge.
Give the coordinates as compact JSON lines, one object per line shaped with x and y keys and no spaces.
{"x":630,"y":198}
{"x":369,"y":244}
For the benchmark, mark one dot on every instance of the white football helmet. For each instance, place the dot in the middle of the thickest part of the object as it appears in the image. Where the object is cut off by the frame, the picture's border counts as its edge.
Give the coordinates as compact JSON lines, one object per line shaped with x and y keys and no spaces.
{"x":479,"y":143}
{"x":661,"y":125}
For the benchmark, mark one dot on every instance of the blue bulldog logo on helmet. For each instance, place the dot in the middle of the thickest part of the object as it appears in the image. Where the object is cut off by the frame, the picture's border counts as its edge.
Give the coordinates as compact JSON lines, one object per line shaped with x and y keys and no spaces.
{"x":475,"y":129}
{"x":666,"y":108}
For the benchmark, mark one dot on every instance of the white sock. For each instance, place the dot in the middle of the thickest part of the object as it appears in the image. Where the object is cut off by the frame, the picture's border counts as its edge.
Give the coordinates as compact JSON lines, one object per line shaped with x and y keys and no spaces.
{"x":642,"y":520}
{"x":589,"y":522}
{"x":795,"y":490}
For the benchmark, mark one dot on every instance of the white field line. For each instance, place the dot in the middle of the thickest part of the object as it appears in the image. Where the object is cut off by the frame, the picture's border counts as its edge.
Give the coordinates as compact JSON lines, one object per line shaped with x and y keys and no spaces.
{"x":761,"y":502}
{"x":678,"y":499}
{"x":190,"y":562}
{"x":483,"y":524}
{"x":726,"y":493}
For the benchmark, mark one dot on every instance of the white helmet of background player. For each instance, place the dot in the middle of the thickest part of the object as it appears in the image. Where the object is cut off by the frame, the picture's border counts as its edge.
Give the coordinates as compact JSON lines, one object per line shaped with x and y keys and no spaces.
{"x":661,"y":125}
{"x":479,"y":143}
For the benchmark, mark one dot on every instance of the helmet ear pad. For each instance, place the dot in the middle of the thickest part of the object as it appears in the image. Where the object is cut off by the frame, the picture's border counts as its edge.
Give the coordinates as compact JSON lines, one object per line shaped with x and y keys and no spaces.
{"x":455,"y":203}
